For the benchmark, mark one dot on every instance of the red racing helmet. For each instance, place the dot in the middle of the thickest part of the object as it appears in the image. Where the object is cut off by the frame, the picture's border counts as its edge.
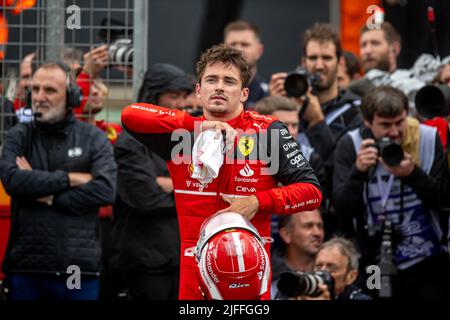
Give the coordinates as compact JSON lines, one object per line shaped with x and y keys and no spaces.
{"x":232,"y":261}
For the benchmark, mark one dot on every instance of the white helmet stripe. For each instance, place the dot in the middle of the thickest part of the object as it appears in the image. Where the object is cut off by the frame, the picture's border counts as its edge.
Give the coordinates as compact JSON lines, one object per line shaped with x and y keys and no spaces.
{"x":239,"y":253}
{"x":266,"y":275}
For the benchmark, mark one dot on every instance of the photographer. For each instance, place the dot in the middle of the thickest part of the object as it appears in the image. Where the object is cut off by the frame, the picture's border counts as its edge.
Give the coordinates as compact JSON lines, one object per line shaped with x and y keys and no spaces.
{"x":340,"y":257}
{"x":334,"y":276}
{"x":94,"y":62}
{"x":302,"y":235}
{"x":367,"y":191}
{"x":328,"y":112}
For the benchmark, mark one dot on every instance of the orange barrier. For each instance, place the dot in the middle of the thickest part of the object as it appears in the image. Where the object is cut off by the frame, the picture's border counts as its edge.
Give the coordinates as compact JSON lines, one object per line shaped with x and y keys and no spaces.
{"x":353,"y":15}
{"x":16,"y":7}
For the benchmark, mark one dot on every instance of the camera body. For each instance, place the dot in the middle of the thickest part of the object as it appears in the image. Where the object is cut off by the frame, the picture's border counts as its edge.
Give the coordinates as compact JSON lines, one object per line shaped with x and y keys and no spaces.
{"x":121,"y":52}
{"x":293,"y":284}
{"x":390,"y":151}
{"x":298,"y":82}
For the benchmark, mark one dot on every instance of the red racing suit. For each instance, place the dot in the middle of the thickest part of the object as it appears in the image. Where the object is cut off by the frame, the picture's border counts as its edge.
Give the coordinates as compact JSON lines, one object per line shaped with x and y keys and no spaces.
{"x":246,"y":175}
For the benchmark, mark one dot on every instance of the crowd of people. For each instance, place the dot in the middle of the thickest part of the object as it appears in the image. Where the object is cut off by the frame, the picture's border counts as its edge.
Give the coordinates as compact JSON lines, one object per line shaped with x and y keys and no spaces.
{"x":319,"y":173}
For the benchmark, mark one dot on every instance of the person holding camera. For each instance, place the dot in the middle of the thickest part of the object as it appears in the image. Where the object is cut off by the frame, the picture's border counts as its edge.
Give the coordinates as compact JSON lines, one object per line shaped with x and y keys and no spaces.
{"x":327,"y":112}
{"x":58,"y":171}
{"x":390,"y":173}
{"x":94,"y":61}
{"x":339,"y":257}
{"x":334,"y":276}
{"x":302,"y":235}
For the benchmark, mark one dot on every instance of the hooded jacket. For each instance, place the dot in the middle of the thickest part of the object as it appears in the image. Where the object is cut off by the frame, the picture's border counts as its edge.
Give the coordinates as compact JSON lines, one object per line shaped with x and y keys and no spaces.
{"x":145,"y":227}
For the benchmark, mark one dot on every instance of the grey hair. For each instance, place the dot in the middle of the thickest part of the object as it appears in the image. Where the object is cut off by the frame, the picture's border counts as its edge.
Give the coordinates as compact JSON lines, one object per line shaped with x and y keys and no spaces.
{"x":346,"y":248}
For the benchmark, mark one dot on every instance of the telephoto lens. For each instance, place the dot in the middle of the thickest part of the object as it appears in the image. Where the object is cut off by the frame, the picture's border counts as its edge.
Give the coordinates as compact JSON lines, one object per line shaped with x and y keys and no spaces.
{"x":298,"y":81}
{"x":121,"y":52}
{"x":294,"y":284}
{"x":433,"y":101}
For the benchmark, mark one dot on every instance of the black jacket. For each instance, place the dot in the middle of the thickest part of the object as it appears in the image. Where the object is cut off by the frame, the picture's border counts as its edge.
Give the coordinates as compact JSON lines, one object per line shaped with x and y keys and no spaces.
{"x":145,"y":226}
{"x":44,"y":238}
{"x":323,"y":137}
{"x":258,"y":89}
{"x":350,"y":119}
{"x":316,"y":163}
{"x":352,"y":292}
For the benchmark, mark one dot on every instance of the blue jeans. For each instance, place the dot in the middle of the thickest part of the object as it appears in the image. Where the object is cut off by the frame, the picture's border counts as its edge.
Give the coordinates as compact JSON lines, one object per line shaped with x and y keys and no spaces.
{"x":49,"y":287}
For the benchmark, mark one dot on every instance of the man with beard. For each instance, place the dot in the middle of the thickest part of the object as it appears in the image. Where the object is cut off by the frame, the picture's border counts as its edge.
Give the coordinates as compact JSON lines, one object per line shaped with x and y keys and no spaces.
{"x":325,"y":104}
{"x":379,"y":48}
{"x":58,"y":171}
{"x":327,"y":112}
{"x":246,"y":38}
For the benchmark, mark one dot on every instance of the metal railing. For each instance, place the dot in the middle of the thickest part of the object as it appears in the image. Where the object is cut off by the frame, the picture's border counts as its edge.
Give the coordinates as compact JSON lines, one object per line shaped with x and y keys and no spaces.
{"x":51,"y":27}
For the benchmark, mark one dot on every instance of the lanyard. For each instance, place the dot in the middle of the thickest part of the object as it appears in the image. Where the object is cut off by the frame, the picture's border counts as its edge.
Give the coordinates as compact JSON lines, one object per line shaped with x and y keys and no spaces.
{"x":384,"y":193}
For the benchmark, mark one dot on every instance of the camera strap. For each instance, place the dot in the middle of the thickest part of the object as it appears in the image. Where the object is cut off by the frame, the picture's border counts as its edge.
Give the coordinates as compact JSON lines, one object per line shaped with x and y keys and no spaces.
{"x":304,"y":107}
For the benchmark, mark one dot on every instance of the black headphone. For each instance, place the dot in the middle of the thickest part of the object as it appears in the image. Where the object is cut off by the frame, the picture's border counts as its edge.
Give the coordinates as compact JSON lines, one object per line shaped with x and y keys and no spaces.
{"x":73,"y":91}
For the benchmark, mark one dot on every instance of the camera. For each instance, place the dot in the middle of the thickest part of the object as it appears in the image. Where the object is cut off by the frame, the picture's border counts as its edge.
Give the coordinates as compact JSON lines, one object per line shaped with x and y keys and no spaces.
{"x":293,"y":284}
{"x":387,"y":260}
{"x":120,"y":47}
{"x":298,"y":82}
{"x":121,"y":52}
{"x":390,"y":151}
{"x":433,"y":101}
